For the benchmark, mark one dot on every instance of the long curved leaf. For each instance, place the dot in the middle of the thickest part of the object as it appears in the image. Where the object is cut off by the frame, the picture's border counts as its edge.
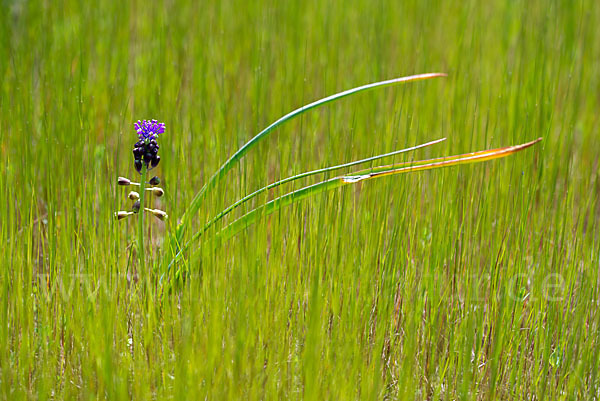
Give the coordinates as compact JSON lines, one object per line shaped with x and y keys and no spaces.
{"x":235,"y":158}
{"x":308,"y":174}
{"x":274,"y":205}
{"x":285,"y":200}
{"x":254,"y":194}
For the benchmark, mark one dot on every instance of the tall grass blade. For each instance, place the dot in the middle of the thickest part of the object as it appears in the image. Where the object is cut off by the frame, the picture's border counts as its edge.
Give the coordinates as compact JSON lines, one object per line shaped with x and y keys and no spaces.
{"x":274,"y":205}
{"x":285,"y":200}
{"x":197,"y":201}
{"x":308,"y":174}
{"x":467,"y":158}
{"x":254,"y":194}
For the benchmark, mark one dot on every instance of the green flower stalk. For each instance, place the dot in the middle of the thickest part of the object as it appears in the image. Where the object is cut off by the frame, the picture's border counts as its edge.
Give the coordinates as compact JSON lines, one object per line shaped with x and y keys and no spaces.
{"x":140,"y":234}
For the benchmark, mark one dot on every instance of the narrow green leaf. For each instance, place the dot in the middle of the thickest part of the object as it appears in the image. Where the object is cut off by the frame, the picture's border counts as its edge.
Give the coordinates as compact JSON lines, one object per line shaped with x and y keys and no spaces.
{"x":232,"y":207}
{"x":276,"y":204}
{"x":197,"y":201}
{"x":285,"y":200}
{"x":308,"y":174}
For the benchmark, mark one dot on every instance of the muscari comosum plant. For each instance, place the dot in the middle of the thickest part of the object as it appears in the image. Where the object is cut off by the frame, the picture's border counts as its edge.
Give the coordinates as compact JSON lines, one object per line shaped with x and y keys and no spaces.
{"x":145,"y":156}
{"x":177,"y":247}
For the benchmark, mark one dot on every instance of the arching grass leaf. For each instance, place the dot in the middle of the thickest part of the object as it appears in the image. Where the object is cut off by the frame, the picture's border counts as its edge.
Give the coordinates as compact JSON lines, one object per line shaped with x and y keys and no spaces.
{"x":237,"y":156}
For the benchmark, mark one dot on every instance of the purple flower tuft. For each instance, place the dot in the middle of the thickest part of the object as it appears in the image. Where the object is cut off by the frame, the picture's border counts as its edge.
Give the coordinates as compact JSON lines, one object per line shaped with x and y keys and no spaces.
{"x":145,"y":151}
{"x":148,"y":130}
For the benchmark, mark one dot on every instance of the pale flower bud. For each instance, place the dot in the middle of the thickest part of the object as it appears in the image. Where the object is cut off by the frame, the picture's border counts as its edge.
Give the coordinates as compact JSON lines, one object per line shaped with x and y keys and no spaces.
{"x":159,"y":214}
{"x":156,"y":191}
{"x":122,"y":214}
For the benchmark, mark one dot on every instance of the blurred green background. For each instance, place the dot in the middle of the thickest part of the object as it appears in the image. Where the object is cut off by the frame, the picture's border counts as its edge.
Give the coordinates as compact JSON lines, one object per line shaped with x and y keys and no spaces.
{"x":471,"y":282}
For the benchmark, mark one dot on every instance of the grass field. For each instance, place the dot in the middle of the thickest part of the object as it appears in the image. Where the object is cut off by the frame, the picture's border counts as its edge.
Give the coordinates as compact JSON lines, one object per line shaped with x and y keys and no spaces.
{"x":471,"y":282}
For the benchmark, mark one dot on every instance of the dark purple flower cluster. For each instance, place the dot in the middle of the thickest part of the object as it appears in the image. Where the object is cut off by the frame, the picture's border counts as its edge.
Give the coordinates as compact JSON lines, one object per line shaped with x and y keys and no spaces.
{"x":145,"y":151}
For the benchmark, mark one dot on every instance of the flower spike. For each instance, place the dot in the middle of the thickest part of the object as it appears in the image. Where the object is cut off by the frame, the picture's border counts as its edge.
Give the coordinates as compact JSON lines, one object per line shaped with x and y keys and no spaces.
{"x":145,"y":156}
{"x":145,"y":151}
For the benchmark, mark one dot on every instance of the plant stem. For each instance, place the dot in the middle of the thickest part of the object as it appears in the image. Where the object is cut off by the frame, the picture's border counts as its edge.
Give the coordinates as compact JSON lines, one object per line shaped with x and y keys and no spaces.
{"x":141,"y":253}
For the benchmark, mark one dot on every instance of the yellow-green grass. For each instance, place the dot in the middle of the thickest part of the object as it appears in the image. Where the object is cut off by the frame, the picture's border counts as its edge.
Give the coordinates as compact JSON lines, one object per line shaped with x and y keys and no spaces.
{"x":473,"y":282}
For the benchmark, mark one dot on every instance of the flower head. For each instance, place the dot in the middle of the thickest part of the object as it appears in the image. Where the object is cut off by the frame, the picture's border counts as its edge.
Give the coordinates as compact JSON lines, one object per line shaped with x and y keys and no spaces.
{"x":145,"y":151}
{"x":148,"y":130}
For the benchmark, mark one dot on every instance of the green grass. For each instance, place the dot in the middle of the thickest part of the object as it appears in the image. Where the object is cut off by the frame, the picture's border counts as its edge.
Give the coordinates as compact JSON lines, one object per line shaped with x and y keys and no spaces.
{"x":472,"y":282}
